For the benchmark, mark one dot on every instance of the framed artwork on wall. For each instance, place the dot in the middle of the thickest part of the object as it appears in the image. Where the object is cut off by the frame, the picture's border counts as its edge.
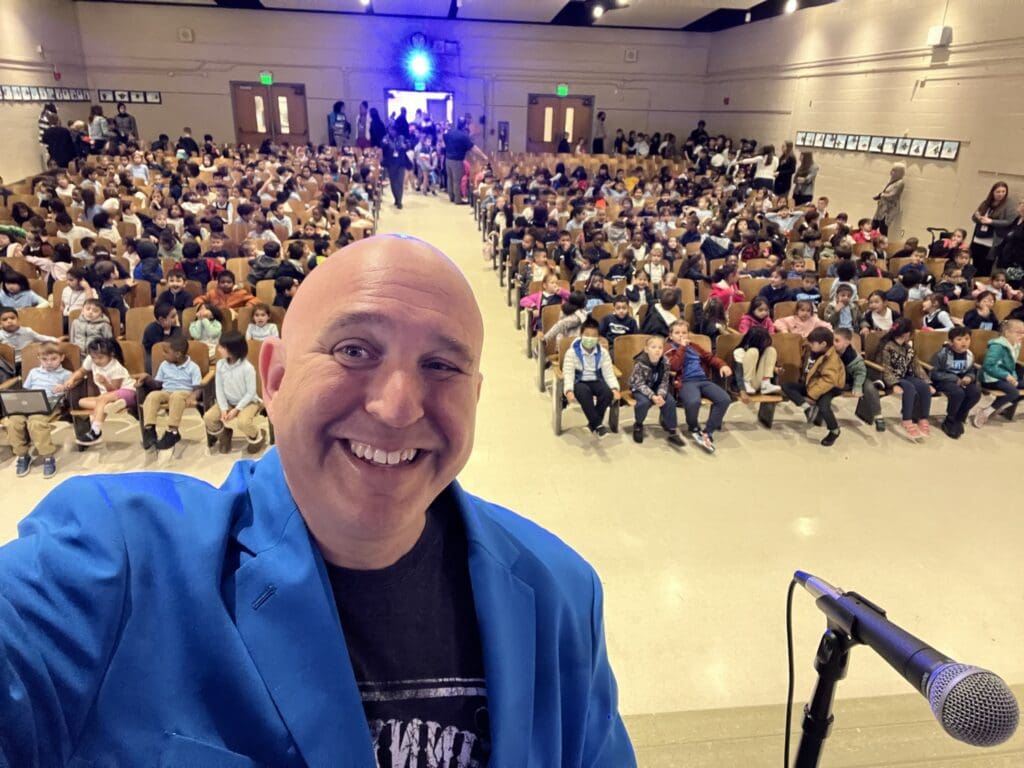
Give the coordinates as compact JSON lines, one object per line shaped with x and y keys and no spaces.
{"x":863,"y":143}
{"x":801,"y":137}
{"x":889,"y":145}
{"x":830,"y":141}
{"x":840,"y":141}
{"x":153,"y":97}
{"x":819,"y":139}
{"x":8,"y":92}
{"x":16,"y":93}
{"x":917,"y":147}
{"x":950,"y":150}
{"x":932,"y":149}
{"x":137,"y":97}
{"x":33,"y":93}
{"x":121,"y":96}
{"x":903,"y":147}
{"x":853,"y":142}
{"x":105,"y":96}
{"x":876,"y":144}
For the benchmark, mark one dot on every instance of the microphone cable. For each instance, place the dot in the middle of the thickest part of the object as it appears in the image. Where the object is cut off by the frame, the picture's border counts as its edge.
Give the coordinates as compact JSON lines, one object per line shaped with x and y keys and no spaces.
{"x":789,"y":650}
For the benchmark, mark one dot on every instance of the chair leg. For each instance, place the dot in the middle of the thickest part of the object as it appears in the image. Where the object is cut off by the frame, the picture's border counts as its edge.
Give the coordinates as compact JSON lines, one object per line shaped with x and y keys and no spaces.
{"x":529,"y":336}
{"x":613,"y":417}
{"x":519,"y":318}
{"x":766,"y":414}
{"x":542,"y":362}
{"x":556,"y":408}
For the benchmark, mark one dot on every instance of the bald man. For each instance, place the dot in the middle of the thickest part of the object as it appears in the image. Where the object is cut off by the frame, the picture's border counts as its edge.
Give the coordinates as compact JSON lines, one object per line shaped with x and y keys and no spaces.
{"x":341,"y":602}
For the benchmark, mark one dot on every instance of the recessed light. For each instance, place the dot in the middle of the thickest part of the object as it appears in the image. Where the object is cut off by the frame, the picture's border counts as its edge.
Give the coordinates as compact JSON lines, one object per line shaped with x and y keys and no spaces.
{"x":598,"y":11}
{"x":791,"y":6}
{"x":746,"y":19}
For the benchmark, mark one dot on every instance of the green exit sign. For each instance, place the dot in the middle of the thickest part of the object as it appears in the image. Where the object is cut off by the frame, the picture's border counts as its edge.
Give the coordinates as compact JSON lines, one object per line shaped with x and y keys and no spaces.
{"x":266,"y":78}
{"x":561,"y":89}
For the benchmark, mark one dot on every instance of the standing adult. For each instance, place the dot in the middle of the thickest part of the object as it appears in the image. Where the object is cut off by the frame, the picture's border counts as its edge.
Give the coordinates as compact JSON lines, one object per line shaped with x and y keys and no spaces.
{"x":803,"y":182}
{"x":48,"y":118}
{"x":402,"y":124}
{"x":1009,"y":254}
{"x":457,"y":145}
{"x":396,"y":161}
{"x":125,"y":124}
{"x":377,"y":128}
{"x":888,"y":199}
{"x":786,"y":170}
{"x":599,"y":134}
{"x":363,"y":126}
{"x":343,"y":582}
{"x":699,"y":135}
{"x":338,"y":127}
{"x":991,"y":221}
{"x":60,"y":144}
{"x":765,"y":166}
{"x":186,"y":143}
{"x":99,"y":129}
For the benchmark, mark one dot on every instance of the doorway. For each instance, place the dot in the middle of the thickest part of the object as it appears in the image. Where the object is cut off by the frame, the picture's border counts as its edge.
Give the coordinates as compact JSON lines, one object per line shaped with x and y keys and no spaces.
{"x":275,"y":112}
{"x":548,"y":118}
{"x":438,"y":104}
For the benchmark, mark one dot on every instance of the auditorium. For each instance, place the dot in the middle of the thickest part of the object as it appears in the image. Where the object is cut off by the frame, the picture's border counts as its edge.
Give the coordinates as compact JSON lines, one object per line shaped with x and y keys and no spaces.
{"x":384,"y":383}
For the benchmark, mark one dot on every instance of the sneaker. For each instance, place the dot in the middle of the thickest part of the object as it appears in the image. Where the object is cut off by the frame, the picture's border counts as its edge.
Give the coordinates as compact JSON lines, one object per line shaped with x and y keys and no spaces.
{"x":676,"y":439}
{"x":911,"y":429}
{"x":949,"y":429}
{"x":224,"y":440}
{"x":980,"y":418}
{"x":880,"y":425}
{"x":811,"y":412}
{"x":767,"y":388}
{"x":707,"y":442}
{"x":924,"y":427}
{"x":638,"y":433}
{"x":169,"y":440}
{"x":115,"y":407}
{"x":89,"y":438}
{"x":959,"y":427}
{"x":148,"y":438}
{"x":602,"y":431}
{"x":830,"y":438}
{"x":21,"y":468}
{"x":749,"y":388}
{"x":697,"y":436}
{"x":49,"y":467}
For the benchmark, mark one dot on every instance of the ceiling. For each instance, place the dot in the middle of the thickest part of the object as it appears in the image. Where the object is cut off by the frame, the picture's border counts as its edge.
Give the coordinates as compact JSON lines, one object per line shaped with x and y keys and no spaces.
{"x":689,"y":15}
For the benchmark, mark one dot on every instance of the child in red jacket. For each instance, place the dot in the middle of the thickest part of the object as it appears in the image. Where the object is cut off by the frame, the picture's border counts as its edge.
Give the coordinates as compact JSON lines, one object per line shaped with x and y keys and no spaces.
{"x":692,"y":366}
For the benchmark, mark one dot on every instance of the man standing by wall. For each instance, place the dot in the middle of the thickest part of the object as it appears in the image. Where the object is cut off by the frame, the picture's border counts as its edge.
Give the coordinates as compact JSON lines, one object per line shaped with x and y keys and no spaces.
{"x":457,"y":145}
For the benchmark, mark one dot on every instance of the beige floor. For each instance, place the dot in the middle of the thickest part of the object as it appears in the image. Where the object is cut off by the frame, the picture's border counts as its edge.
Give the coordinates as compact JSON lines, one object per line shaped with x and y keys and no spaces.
{"x":696,"y":551}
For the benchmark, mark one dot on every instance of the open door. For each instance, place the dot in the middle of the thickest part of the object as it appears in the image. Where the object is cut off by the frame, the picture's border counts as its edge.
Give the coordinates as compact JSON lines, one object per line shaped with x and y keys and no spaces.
{"x":275,"y":111}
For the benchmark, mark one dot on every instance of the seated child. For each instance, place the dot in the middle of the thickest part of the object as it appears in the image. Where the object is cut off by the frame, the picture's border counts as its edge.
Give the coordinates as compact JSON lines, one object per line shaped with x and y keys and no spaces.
{"x":589,"y":377}
{"x":163,"y":328}
{"x":595,"y":292}
{"x":823,"y":378}
{"x":176,"y":385}
{"x":935,"y":317}
{"x":116,"y":386}
{"x":692,"y":366}
{"x":710,"y":320}
{"x":14,"y":335}
{"x":149,"y":266}
{"x":951,"y":285}
{"x":237,"y":402}
{"x":92,"y":323}
{"x":776,"y":290}
{"x":758,"y":315}
{"x":808,"y":290}
{"x":999,"y":371}
{"x":659,"y":317}
{"x":843,"y":311}
{"x":999,"y":287}
{"x":726,"y":289}
{"x":573,"y":315}
{"x":75,"y":294}
{"x":35,"y":430}
{"x":226,"y":294}
{"x":954,"y":376}
{"x":640,"y":292}
{"x":16,"y":294}
{"x":260,"y":328}
{"x":869,"y":406}
{"x":112,"y":295}
{"x":176,"y":295}
{"x":650,"y":382}
{"x":982,"y":317}
{"x":803,"y":322}
{"x":284,"y":291}
{"x":879,"y":316}
{"x":900,"y":368}
{"x":755,"y":363}
{"x":207,"y":327}
{"x":618,"y":323}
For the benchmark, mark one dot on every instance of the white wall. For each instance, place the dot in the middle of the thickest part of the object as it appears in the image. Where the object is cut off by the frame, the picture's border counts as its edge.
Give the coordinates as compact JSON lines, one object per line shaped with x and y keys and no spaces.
{"x":353,"y":58}
{"x":863,"y":66}
{"x":24,"y":25}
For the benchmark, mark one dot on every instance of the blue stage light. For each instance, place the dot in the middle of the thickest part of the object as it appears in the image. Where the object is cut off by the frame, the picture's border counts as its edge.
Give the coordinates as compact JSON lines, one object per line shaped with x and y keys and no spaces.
{"x":419,"y":65}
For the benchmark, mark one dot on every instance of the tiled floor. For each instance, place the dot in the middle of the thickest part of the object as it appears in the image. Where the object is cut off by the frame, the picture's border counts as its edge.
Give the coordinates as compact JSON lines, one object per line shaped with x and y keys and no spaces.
{"x":696,"y":551}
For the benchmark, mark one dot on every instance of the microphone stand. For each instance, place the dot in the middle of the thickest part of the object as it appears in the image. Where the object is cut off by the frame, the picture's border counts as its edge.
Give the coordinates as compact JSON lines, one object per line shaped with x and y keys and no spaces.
{"x":831,"y":662}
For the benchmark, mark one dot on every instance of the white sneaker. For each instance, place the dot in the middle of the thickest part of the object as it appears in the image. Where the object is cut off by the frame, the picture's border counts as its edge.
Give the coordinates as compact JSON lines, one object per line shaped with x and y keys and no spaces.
{"x":980,"y":418}
{"x":767,"y":388}
{"x":749,"y":388}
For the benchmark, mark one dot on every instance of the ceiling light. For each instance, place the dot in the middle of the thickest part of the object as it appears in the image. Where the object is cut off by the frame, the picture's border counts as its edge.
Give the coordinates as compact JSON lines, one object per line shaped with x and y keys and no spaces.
{"x":621,"y":3}
{"x":364,"y":3}
{"x":791,"y":6}
{"x":746,"y":19}
{"x":598,"y":11}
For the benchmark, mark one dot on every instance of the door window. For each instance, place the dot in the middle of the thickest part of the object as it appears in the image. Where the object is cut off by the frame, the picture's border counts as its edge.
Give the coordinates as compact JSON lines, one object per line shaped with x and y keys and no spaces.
{"x":261,"y":115}
{"x":282,"y":114}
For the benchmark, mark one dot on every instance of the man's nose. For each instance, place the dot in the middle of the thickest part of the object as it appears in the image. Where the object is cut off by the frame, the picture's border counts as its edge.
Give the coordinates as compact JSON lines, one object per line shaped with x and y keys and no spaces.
{"x":398,"y":399}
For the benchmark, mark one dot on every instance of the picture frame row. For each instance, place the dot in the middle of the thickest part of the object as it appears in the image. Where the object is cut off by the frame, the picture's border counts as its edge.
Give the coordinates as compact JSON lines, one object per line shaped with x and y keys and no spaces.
{"x":111,"y":96}
{"x":929,"y":149}
{"x":40,"y":93}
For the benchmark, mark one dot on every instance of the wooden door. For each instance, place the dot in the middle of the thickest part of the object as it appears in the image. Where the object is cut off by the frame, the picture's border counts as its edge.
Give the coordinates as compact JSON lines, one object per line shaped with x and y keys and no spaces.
{"x":548,"y":118}
{"x":275,"y":111}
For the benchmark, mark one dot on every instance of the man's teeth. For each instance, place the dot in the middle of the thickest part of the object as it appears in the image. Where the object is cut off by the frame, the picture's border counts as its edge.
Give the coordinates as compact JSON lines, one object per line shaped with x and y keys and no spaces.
{"x":384,"y":458}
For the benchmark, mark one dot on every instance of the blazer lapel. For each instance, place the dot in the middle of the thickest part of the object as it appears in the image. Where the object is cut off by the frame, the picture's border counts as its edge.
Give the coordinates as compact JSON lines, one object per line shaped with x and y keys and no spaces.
{"x":507,"y":618}
{"x":285,"y":614}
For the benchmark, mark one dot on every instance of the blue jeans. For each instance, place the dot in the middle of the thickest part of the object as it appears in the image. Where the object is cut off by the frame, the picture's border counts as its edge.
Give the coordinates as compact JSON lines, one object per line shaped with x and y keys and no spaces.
{"x":959,"y":400}
{"x":668,"y":411}
{"x":917,"y":398}
{"x":691,"y":394}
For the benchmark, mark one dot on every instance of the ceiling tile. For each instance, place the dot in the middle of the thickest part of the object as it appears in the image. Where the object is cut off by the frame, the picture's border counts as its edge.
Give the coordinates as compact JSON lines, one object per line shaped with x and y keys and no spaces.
{"x":666,"y":14}
{"x":413,"y":7}
{"x":511,"y":10}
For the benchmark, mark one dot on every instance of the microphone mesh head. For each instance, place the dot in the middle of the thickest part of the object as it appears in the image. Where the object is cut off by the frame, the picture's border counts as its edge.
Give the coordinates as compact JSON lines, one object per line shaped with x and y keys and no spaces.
{"x":973,"y":705}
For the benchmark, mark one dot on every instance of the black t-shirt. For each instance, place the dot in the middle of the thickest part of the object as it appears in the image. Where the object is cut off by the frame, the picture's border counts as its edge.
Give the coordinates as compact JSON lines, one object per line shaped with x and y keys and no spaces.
{"x":412,"y":635}
{"x":456,"y":145}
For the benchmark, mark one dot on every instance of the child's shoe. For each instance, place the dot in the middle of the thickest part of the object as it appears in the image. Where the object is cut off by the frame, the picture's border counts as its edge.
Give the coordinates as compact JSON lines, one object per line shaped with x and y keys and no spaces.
{"x":924,"y":427}
{"x":911,"y":429}
{"x":22,"y":465}
{"x":149,"y":438}
{"x":169,"y":440}
{"x":49,"y":467}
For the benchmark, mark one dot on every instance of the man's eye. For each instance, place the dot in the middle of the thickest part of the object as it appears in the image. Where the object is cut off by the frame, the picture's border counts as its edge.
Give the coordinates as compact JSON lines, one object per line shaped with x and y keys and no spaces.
{"x":353,"y":352}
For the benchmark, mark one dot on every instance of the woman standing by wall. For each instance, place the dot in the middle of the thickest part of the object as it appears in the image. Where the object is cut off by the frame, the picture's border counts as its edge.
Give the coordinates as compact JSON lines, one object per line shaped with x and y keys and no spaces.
{"x":765,"y":166}
{"x":99,"y":129}
{"x":991,"y":222}
{"x":888,"y":199}
{"x":803,"y":184}
{"x":1009,"y":254}
{"x":787,"y":167}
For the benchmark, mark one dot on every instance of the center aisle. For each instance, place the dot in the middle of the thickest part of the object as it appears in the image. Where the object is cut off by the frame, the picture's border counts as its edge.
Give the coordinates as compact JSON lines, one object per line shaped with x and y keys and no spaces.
{"x":695,"y":551}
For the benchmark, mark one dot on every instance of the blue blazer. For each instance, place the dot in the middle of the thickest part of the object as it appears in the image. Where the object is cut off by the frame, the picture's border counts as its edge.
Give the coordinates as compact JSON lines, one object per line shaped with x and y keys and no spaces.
{"x":153,"y":620}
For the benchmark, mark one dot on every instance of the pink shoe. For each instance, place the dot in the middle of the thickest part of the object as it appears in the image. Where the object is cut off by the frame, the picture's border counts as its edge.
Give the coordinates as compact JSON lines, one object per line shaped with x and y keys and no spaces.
{"x":911,"y":429}
{"x":924,"y":427}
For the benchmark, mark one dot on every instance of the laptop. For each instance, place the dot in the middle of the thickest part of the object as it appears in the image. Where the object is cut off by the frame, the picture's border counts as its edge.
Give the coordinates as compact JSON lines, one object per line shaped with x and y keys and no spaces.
{"x":29,"y":402}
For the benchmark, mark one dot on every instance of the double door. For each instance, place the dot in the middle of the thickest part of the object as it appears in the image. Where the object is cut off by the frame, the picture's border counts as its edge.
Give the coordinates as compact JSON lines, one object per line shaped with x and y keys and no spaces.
{"x":549,"y":118}
{"x":275,"y":111}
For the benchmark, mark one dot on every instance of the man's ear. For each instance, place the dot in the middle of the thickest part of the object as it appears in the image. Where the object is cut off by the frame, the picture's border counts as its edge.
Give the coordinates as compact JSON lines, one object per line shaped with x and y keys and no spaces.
{"x":272,"y":363}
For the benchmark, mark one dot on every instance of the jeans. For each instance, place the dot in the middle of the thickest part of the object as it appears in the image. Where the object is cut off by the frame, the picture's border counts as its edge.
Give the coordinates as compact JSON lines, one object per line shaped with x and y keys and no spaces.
{"x":594,"y":398}
{"x":917,"y":399}
{"x":669,"y":419}
{"x":959,"y":400}
{"x":798,"y":394}
{"x":1009,"y":397}
{"x":691,"y":393}
{"x":397,"y":177}
{"x":455,"y":170}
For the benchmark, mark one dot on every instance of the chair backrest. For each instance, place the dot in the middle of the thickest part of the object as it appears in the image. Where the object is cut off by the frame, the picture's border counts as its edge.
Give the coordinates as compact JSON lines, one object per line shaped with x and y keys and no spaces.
{"x":752,"y":285}
{"x":935,"y":267}
{"x":240,"y":268}
{"x":736,"y":310}
{"x":702,"y":341}
{"x":872,"y":341}
{"x":253,"y":356}
{"x":868,"y":285}
{"x":601,"y":311}
{"x":243,"y":316}
{"x":979,"y":344}
{"x":825,"y":286}
{"x":725,"y":345}
{"x":714,"y":265}
{"x":927,"y":343}
{"x":790,"y":350}
{"x":30,"y":357}
{"x":784,"y":309}
{"x":605,"y":264}
{"x":626,"y":348}
{"x":823,"y":265}
{"x":7,"y":355}
{"x":45,"y":320}
{"x":136,"y":321}
{"x":960,"y":307}
{"x":265,"y":291}
{"x":914,"y":313}
{"x":1004,"y":307}
{"x":134,"y":357}
{"x":198,"y":351}
{"x":38,"y":286}
{"x":895,"y":265}
{"x":756,"y":264}
{"x":22,"y":266}
{"x":194,"y":287}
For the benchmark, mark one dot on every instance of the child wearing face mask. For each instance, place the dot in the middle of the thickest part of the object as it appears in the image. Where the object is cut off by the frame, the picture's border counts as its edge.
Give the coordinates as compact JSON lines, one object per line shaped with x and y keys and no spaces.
{"x":650,"y":382}
{"x":589,"y":377}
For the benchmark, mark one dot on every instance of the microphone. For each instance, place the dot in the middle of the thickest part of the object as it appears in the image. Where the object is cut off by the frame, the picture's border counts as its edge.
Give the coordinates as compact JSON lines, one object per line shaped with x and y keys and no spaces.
{"x":971,"y":704}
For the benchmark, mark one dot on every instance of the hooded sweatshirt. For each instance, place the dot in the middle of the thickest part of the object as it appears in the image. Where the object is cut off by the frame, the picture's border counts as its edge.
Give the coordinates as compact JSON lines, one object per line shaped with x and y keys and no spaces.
{"x":1000,"y":360}
{"x":83,"y":331}
{"x":650,"y":379}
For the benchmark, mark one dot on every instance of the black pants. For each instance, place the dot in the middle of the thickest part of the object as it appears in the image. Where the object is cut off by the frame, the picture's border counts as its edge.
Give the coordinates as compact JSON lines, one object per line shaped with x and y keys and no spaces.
{"x":396,"y":174}
{"x":959,"y":400}
{"x":881,"y":226}
{"x":598,"y":146}
{"x":980,"y":258}
{"x":594,"y":398}
{"x":1009,"y":397}
{"x":802,"y":199}
{"x":798,"y":394}
{"x":763,"y":184}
